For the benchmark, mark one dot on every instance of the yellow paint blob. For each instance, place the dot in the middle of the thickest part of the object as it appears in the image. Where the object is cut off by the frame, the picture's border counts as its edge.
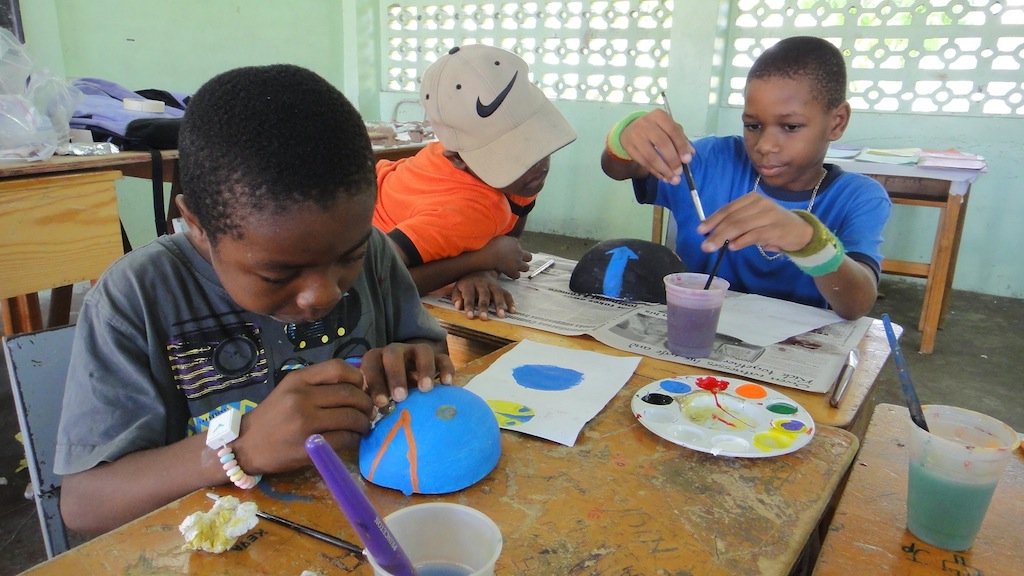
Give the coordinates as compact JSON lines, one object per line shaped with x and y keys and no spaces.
{"x":774,"y":439}
{"x":510,"y":414}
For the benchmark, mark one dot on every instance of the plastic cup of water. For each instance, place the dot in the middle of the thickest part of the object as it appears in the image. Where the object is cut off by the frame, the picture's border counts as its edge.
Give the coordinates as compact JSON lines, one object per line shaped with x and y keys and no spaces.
{"x":443,"y":539}
{"x":954,"y":468}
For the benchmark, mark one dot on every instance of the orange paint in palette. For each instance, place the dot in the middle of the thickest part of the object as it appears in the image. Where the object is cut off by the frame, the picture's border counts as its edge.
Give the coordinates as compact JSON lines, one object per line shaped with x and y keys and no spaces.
{"x":723,"y":416}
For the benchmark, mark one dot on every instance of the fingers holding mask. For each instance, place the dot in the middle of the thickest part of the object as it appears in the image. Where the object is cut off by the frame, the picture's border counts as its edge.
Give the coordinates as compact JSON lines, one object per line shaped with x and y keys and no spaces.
{"x":390,"y":371}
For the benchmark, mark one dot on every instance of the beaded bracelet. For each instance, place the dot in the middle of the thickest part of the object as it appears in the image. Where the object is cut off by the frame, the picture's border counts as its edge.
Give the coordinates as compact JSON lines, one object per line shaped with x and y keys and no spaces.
{"x":823,"y":254}
{"x":234,"y":471}
{"x":613,"y":143}
{"x":223,"y":430}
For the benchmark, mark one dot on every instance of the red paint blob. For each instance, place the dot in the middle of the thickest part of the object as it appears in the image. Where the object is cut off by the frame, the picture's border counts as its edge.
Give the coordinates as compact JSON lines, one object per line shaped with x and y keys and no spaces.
{"x":712,"y":384}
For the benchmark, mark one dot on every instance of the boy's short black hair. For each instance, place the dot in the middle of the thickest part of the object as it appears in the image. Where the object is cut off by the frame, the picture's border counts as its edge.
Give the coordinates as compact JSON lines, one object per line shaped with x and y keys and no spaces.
{"x":262,"y":139}
{"x":816,"y":59}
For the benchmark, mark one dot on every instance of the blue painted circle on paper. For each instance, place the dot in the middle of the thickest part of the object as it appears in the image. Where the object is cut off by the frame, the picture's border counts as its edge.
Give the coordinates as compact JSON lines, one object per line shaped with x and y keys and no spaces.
{"x":546,"y":377}
{"x":676,"y":386}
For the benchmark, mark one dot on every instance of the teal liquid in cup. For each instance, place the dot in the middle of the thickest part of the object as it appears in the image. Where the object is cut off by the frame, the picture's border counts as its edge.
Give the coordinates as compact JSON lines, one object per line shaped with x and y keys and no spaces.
{"x":953,"y":471}
{"x":944,"y":512}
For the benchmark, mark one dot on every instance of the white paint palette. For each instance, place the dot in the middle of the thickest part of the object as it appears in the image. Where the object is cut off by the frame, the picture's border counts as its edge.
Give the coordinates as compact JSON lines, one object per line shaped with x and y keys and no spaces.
{"x":723,"y":416}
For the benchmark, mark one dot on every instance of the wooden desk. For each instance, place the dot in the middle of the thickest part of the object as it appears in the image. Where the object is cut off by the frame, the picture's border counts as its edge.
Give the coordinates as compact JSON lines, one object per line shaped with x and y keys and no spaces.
{"x":946,"y":190}
{"x":622,"y":501}
{"x":133,"y":164}
{"x":22,"y":314}
{"x":55,"y":230}
{"x":137,"y":164}
{"x":873,"y":349}
{"x":868,"y":533}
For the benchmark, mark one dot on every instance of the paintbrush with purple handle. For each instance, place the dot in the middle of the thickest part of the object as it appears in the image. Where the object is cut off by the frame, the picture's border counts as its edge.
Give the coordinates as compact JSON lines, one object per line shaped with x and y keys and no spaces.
{"x":379,"y":541}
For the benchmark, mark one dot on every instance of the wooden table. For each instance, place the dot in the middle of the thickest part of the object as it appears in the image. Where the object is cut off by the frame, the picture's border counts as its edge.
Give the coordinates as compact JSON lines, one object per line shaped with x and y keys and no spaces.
{"x":873,"y":349}
{"x":946,"y":190}
{"x":622,"y":501}
{"x":137,"y":164}
{"x":133,"y":164}
{"x":868,"y":533}
{"x":22,"y":313}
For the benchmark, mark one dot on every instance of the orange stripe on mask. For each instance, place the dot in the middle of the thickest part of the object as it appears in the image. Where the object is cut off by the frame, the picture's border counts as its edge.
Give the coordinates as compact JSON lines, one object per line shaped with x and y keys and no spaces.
{"x":404,"y":421}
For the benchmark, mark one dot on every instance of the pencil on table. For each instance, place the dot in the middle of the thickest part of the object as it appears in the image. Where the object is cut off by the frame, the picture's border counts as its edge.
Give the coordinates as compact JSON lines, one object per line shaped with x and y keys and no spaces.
{"x":541,"y":268}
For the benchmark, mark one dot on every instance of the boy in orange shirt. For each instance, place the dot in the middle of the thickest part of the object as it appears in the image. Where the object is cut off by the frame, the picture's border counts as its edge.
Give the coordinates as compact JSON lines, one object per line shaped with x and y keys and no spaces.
{"x":455,"y":210}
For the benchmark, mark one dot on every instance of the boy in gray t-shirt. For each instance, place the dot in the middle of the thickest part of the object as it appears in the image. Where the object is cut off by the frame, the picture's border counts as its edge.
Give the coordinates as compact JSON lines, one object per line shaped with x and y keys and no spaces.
{"x":267,"y":305}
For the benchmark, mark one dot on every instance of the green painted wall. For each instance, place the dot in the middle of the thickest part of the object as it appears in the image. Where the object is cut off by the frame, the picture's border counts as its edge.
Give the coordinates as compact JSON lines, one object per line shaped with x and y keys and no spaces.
{"x":178,"y":44}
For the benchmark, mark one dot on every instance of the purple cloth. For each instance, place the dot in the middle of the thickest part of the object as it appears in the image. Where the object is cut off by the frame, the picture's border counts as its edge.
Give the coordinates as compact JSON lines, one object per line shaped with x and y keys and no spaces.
{"x":101,"y":106}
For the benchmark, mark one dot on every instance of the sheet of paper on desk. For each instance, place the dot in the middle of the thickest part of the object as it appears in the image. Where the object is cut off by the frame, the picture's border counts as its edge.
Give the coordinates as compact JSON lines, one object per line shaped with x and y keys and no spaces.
{"x":890,"y":155}
{"x":837,"y":150}
{"x":549,"y":391}
{"x":808,"y":361}
{"x":952,"y":159}
{"x":761,"y":321}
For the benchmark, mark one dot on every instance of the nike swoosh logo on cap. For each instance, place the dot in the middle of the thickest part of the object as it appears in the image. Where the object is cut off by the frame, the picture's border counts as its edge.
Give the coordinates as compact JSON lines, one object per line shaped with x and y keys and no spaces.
{"x":485,"y":110}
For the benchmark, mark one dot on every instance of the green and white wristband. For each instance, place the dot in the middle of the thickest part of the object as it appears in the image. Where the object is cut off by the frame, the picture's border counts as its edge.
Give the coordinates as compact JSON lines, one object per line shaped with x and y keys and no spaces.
{"x":823,"y":254}
{"x":612,"y":142}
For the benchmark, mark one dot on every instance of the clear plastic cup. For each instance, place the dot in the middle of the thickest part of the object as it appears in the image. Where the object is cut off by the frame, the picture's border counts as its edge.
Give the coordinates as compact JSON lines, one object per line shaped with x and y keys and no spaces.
{"x":954,"y":468}
{"x":443,"y":539}
{"x":693,"y":313}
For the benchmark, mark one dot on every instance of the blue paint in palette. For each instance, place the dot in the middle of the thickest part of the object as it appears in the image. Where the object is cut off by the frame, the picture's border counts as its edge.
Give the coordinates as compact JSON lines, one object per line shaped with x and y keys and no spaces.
{"x":676,"y":387}
{"x":546,"y":377}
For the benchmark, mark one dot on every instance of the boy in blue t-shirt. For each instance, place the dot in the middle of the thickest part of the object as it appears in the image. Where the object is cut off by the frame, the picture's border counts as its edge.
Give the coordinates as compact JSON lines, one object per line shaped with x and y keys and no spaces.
{"x":797,"y":229}
{"x":267,"y":305}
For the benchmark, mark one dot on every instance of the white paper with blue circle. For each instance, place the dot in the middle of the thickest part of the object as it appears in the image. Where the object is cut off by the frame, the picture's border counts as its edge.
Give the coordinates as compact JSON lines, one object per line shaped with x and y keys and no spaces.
{"x":549,"y":391}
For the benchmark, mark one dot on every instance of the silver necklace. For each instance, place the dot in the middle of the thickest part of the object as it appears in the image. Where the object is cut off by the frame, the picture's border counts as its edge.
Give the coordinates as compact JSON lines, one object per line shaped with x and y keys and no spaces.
{"x":814,"y":194}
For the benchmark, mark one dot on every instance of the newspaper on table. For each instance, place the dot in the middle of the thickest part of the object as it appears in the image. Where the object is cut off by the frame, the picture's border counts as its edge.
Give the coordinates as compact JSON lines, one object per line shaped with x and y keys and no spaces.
{"x":760,"y":338}
{"x":545,"y":302}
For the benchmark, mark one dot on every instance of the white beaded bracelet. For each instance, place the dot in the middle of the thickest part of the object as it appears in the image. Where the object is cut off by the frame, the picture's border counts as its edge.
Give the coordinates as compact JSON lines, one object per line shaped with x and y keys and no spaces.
{"x":223,"y":430}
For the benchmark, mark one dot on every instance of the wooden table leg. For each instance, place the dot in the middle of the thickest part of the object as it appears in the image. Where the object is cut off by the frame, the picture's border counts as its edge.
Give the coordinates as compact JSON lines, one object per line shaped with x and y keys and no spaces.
{"x":940,"y":273}
{"x":657,"y":226}
{"x":962,"y":215}
{"x":22,"y":314}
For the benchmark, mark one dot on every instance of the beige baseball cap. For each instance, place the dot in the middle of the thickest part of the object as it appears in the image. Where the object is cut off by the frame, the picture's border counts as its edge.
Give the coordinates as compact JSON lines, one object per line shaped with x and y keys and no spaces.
{"x":480,"y":103}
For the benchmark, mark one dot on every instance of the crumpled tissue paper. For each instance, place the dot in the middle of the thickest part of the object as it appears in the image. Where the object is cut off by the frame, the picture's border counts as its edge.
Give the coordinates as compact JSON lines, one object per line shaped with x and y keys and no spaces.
{"x":219,"y":529}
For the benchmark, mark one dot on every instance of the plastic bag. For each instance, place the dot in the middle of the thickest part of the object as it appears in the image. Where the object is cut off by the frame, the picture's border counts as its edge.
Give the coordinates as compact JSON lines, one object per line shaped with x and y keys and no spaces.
{"x":35,"y":106}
